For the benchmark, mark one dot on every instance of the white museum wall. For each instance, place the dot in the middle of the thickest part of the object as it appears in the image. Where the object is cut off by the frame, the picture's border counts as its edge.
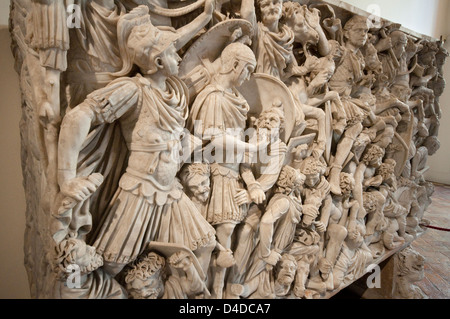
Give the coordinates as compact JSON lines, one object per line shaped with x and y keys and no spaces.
{"x":428,"y":17}
{"x":4,"y":12}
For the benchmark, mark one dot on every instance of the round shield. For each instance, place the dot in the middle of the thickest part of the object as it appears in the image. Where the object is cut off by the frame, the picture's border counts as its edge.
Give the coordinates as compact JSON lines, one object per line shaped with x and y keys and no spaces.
{"x":198,"y":64}
{"x":211,"y":44}
{"x":263,"y":92}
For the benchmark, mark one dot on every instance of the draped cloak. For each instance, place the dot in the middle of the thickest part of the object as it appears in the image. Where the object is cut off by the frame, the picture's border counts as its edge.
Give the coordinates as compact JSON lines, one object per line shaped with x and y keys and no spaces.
{"x":216,"y":112}
{"x":148,"y":202}
{"x":346,"y":77}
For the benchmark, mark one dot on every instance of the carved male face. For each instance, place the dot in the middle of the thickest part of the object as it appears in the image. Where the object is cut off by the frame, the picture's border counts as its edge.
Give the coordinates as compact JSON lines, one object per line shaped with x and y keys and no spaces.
{"x":414,"y":266}
{"x":148,"y":288}
{"x":372,"y":60}
{"x":399,"y":43}
{"x":376,"y":162}
{"x":312,"y":180}
{"x":243,"y":72}
{"x":269,"y":121}
{"x":357,"y":34}
{"x":271,"y":10}
{"x":169,"y":61}
{"x":286,"y":273}
{"x":347,"y":183}
{"x":199,"y":185}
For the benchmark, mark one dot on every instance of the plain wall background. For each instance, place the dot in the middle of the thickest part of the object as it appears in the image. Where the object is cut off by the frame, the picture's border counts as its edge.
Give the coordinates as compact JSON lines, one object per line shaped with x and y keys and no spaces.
{"x":428,"y":17}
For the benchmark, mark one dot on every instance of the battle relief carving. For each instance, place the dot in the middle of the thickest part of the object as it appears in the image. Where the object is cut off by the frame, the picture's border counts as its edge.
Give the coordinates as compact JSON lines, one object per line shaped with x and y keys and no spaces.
{"x":219,"y":148}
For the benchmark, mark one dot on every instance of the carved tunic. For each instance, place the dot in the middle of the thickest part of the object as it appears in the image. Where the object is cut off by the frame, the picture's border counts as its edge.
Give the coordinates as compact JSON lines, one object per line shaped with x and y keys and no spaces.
{"x":274,"y":50}
{"x":94,"y":54}
{"x":277,"y":231}
{"x":281,"y":234}
{"x":285,"y":227}
{"x":220,"y":112}
{"x":149,"y":204}
{"x":316,"y":195}
{"x":48,"y":34}
{"x":344,"y":80}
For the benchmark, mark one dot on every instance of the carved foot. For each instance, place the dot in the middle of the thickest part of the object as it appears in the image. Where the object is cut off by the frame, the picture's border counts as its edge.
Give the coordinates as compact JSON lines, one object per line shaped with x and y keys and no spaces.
{"x":299,"y":292}
{"x":317,"y":285}
{"x":236,"y":290}
{"x":330,"y":282}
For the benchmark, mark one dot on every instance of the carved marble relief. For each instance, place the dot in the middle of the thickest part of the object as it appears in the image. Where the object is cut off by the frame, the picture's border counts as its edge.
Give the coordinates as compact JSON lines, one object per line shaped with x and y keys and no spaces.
{"x":220,"y":148}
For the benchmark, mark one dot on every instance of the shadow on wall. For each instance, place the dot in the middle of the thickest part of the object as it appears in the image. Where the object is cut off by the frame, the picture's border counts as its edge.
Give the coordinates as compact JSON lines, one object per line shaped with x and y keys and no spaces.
{"x":13,"y":278}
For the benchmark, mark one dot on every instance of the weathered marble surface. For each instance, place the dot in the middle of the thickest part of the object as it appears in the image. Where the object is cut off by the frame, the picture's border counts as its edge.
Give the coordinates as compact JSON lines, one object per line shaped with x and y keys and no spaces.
{"x":221,"y":148}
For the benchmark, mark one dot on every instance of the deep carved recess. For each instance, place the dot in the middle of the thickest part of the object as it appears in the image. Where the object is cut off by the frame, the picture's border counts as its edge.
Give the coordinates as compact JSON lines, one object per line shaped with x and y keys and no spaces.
{"x":221,"y":148}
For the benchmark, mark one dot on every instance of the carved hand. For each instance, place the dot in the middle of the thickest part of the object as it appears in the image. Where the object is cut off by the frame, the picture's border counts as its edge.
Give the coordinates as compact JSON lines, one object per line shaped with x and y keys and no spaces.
{"x":384,"y":44}
{"x":325,"y":266}
{"x":283,"y":148}
{"x":225,"y":259}
{"x":352,"y":232}
{"x":319,"y":149}
{"x":374,"y":181}
{"x":273,"y":258}
{"x":262,"y":145}
{"x":236,"y":35}
{"x":242,"y":197}
{"x":367,"y":80}
{"x":320,"y":227}
{"x":319,"y":81}
{"x":314,"y":18}
{"x":257,"y":195}
{"x":81,"y":188}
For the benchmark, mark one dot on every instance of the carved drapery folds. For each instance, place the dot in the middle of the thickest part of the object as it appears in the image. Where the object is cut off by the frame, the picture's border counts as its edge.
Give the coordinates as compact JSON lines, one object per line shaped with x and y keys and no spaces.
{"x":219,"y":149}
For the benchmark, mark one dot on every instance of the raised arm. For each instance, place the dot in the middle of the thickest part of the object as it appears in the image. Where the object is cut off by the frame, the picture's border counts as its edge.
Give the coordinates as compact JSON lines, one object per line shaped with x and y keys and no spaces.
{"x":221,"y":141}
{"x":248,"y":12}
{"x":190,"y":30}
{"x":323,"y":44}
